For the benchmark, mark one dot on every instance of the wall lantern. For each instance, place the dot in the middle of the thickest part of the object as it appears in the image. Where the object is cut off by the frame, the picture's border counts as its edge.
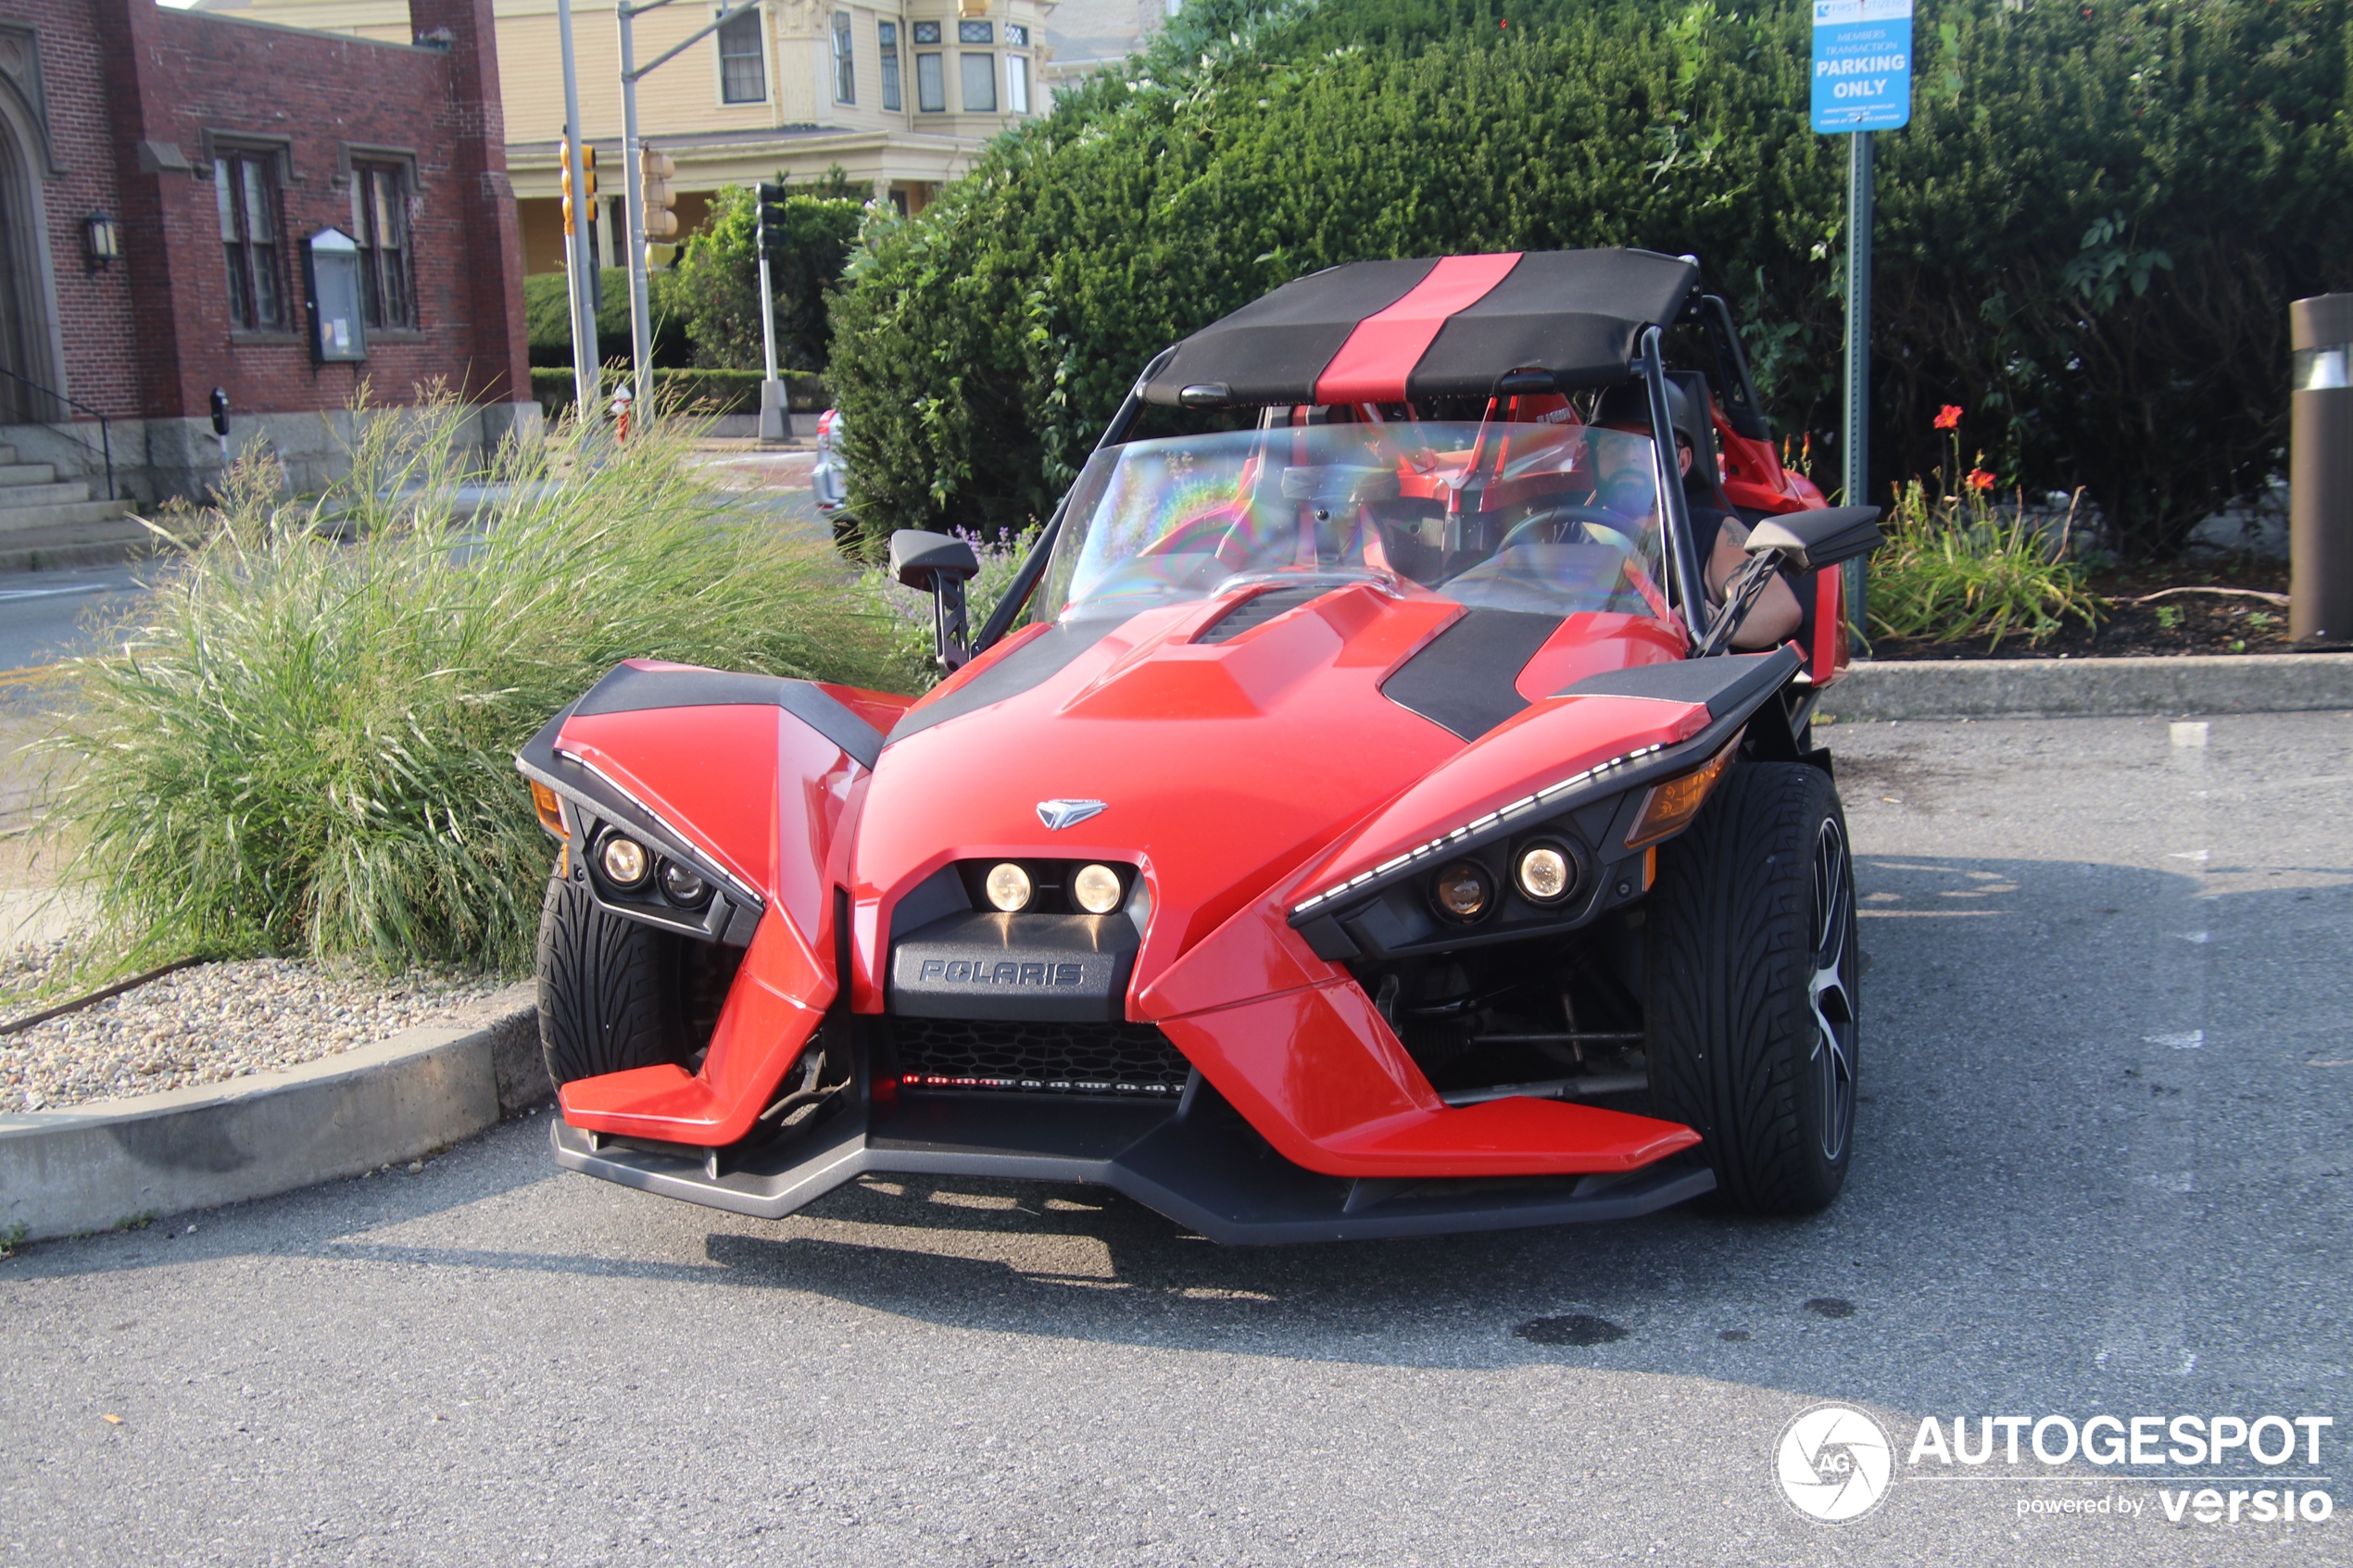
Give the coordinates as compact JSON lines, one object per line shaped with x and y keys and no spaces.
{"x":100,"y":245}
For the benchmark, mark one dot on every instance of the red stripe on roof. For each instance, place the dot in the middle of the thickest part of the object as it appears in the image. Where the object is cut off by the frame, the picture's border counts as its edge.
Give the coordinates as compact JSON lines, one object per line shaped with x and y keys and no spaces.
{"x":1371,"y":367}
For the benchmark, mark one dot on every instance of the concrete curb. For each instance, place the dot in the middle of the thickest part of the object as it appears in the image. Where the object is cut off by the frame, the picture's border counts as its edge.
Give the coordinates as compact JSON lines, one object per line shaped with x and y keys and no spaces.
{"x":93,"y":1167}
{"x":2078,"y":688}
{"x":57,"y":558}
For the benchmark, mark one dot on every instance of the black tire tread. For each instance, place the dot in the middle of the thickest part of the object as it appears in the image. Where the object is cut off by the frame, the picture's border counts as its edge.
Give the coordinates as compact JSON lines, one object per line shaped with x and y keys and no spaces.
{"x":608,"y":993}
{"x":1729,"y":954}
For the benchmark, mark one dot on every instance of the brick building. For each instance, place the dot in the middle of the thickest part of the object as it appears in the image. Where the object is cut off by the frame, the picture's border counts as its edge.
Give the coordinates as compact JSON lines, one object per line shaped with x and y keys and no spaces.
{"x":291,"y":214}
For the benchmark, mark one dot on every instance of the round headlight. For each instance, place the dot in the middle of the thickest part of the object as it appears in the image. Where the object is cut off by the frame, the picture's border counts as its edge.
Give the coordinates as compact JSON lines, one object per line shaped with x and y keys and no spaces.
{"x":1460,"y":891}
{"x":1008,"y":887}
{"x":1545,"y":872}
{"x":625,"y":861}
{"x":682,"y":884}
{"x":1096,"y":888}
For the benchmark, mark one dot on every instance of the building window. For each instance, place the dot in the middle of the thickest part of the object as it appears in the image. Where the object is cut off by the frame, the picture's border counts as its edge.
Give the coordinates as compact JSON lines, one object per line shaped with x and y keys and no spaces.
{"x":974,"y":32}
{"x":926,"y":32}
{"x":743,"y":71}
{"x":247,"y":192}
{"x":845,"y":67}
{"x":1017,"y":35}
{"x":980,"y":83}
{"x":931,"y":87}
{"x":886,"y":37}
{"x":379,"y":222}
{"x":1016,"y":84}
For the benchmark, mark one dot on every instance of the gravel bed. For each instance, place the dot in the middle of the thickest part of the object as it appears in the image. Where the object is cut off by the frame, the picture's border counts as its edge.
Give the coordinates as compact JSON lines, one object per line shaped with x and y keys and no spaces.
{"x":204,"y":1024}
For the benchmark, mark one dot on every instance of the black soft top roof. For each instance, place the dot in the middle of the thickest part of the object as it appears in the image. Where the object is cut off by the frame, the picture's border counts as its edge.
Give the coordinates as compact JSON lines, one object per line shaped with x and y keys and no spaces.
{"x":1387,"y":332}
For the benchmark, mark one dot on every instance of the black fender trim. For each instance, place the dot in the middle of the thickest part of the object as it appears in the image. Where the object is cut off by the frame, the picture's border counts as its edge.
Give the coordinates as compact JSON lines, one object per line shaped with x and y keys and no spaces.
{"x":628,"y":690}
{"x":1726,"y":685}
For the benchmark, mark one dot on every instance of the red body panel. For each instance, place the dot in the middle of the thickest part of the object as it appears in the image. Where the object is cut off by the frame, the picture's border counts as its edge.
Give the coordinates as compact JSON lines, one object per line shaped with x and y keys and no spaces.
{"x":1227,"y":764}
{"x":1541,"y":746}
{"x":765,"y":796}
{"x":779,"y":998}
{"x":1295,"y":1046}
{"x":1231,"y":769}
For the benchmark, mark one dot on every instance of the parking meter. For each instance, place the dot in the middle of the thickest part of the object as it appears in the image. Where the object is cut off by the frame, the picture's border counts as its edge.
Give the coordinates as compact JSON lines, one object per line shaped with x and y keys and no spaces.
{"x":221,"y":421}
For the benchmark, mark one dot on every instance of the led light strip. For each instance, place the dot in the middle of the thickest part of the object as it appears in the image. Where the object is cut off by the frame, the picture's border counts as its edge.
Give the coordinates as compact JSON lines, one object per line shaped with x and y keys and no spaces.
{"x":1478,"y":824}
{"x":656,"y":818}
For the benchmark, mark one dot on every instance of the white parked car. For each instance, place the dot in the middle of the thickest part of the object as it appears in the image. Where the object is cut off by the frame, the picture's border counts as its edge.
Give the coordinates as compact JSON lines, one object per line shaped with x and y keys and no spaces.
{"x":830,"y":480}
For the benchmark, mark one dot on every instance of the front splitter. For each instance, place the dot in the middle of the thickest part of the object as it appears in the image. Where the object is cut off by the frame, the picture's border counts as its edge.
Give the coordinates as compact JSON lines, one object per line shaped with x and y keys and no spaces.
{"x":1202,"y":1166}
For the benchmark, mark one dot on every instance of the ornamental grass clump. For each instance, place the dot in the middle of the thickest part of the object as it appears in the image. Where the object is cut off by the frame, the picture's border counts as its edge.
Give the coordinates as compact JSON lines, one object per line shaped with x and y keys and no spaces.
{"x":302,"y":742}
{"x":1956,"y":567}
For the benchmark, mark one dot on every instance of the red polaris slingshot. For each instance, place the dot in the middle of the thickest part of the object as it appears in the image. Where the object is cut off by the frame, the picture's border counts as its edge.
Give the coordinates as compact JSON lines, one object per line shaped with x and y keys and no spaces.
{"x":1384,"y":804}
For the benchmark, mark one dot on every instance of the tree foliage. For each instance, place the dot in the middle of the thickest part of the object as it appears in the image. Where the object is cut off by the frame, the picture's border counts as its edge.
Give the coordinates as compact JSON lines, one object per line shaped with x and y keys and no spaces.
{"x":715,"y":285}
{"x":2087,"y":235}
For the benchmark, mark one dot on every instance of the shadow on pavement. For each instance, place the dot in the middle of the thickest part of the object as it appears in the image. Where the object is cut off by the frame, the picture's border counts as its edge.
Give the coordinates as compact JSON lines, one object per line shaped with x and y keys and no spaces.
{"x":2046,"y":1159}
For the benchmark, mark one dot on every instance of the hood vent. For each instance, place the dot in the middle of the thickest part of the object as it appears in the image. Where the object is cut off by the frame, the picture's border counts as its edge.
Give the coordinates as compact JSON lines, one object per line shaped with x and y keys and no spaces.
{"x":1259,"y":608}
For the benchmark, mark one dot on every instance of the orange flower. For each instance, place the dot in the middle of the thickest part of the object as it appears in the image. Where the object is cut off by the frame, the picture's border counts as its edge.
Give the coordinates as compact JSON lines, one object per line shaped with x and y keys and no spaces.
{"x":1979,"y":479}
{"x":1950,"y":416}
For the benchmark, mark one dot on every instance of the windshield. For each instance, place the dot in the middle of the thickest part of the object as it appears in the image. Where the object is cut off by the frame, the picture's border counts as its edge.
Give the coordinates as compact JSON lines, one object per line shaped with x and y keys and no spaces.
{"x":1548,"y":518}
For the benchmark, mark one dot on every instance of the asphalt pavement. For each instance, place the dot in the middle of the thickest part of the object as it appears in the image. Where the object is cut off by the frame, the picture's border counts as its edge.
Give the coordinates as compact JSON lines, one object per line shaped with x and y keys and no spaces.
{"x":2102,"y":1169}
{"x":45,"y":616}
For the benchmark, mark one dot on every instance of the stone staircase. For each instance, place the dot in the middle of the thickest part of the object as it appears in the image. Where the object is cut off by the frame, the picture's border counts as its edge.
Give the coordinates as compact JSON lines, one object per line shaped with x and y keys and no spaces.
{"x":47,"y":522}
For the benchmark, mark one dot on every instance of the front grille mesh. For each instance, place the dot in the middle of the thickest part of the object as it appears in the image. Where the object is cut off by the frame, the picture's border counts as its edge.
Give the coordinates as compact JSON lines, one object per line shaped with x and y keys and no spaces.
{"x":1068,"y":1058}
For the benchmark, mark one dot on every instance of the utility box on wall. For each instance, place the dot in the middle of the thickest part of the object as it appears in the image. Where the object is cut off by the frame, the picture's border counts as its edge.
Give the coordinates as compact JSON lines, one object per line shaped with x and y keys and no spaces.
{"x":331,"y":280}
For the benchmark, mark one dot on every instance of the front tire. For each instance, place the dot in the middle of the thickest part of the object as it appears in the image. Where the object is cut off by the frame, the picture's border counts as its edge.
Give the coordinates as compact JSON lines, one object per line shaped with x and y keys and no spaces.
{"x":609,"y":988}
{"x":1752,"y":996}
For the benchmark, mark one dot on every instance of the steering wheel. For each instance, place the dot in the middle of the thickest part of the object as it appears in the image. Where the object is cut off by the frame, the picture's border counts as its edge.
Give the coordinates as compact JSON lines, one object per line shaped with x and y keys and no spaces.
{"x":1599,"y":515}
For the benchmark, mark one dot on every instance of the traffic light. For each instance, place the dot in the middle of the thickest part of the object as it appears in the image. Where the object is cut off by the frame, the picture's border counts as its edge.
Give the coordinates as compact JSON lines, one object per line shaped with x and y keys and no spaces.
{"x":585,"y":206}
{"x":661,"y":197}
{"x":770,"y":231}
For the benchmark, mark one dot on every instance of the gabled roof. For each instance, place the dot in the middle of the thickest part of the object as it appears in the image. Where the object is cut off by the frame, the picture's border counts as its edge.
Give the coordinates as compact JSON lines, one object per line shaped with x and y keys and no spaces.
{"x":1386,"y":332}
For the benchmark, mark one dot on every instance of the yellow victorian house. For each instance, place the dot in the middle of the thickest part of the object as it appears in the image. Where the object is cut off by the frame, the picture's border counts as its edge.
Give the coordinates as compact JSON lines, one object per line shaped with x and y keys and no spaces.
{"x":898,"y":95}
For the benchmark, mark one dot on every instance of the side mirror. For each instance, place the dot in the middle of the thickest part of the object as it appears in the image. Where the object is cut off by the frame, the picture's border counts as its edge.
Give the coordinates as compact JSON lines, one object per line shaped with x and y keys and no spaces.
{"x":1812,"y":540}
{"x":939,"y":565}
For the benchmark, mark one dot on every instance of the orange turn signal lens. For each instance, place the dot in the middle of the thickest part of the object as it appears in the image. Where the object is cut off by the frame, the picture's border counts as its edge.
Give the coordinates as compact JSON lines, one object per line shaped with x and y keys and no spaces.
{"x":550,"y":809}
{"x":1670,"y":806}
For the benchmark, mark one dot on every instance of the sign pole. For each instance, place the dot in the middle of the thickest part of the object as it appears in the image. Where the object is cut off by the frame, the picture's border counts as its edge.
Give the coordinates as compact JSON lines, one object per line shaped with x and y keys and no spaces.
{"x":1858,"y":433}
{"x":1862,"y":85}
{"x":582,"y":285}
{"x":641,"y":316}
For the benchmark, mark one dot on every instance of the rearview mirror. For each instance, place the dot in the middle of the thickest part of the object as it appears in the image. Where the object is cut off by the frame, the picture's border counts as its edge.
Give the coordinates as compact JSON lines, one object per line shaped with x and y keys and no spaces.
{"x":1812,"y":540}
{"x":918,"y":558}
{"x":939,"y":565}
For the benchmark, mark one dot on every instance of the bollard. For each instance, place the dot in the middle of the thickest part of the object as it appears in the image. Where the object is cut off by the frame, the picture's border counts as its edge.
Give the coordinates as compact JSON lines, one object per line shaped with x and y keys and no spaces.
{"x":2319,"y":470}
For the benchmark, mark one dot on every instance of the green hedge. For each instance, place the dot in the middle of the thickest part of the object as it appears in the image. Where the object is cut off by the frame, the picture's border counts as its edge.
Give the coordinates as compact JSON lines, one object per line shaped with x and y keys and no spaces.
{"x":714,"y":288}
{"x":548,"y":320}
{"x":2087,"y":237}
{"x":707,"y":391}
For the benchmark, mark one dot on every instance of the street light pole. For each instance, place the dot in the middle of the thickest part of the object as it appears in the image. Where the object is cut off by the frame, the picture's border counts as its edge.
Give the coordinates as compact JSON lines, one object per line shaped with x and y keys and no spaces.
{"x":1858,"y":433}
{"x":583,"y":285}
{"x":641,"y":333}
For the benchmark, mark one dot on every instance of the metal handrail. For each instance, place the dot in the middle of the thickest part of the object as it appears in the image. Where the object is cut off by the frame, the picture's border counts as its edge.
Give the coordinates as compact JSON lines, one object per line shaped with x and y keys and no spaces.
{"x":105,"y":432}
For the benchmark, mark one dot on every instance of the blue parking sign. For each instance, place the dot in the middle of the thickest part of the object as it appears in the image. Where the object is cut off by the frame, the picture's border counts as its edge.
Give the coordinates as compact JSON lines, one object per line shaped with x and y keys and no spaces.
{"x":1862,"y":65}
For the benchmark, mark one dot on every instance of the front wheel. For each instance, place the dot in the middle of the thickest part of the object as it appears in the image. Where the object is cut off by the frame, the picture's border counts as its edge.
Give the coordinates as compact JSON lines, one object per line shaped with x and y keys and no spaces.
{"x":609,"y":988}
{"x":1752,"y":987}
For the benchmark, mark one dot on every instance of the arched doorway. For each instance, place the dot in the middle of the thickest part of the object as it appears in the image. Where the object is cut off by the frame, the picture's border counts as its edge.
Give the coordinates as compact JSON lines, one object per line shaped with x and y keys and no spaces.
{"x":27,"y":329}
